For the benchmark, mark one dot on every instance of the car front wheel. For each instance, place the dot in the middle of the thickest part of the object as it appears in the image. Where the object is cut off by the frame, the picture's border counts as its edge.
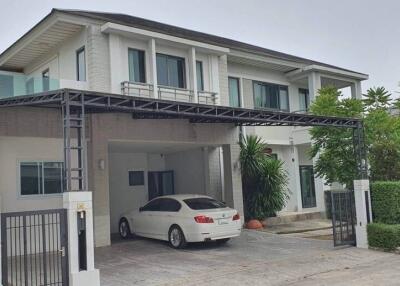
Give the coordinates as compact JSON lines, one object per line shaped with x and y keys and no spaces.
{"x":176,"y":237}
{"x":124,"y":230}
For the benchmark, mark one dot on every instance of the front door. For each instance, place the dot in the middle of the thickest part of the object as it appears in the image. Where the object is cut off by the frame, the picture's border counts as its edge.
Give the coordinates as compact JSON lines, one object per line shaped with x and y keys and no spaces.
{"x":307,"y":187}
{"x":160,"y":184}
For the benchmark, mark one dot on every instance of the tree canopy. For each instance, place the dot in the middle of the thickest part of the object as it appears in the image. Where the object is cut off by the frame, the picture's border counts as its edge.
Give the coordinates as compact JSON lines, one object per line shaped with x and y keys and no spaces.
{"x":333,"y":147}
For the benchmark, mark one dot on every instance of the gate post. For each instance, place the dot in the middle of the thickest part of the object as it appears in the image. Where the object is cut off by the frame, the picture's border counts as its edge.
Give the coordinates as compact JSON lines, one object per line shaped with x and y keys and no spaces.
{"x":77,"y":203}
{"x":363,"y":211}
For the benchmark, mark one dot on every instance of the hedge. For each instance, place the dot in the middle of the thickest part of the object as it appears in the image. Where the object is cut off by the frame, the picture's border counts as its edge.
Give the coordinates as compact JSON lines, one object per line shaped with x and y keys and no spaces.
{"x":384,"y":236}
{"x":385,"y":199}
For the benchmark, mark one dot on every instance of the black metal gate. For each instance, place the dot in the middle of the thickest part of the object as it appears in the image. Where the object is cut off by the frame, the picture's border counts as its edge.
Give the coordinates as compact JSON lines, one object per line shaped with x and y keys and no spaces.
{"x":343,"y":218}
{"x":34,"y":248}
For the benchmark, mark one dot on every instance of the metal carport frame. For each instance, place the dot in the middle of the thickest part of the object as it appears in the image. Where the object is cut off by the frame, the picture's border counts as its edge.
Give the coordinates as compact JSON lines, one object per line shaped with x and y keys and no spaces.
{"x":76,"y":103}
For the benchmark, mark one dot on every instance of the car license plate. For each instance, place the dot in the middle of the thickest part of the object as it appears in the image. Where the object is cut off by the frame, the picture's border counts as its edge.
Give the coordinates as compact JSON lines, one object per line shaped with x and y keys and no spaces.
{"x":223,"y":221}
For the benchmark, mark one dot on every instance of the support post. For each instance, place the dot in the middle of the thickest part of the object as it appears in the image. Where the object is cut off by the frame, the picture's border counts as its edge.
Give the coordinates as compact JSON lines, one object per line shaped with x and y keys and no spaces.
{"x":76,"y":199}
{"x":153,"y":66}
{"x":314,"y":85}
{"x":193,"y":73}
{"x":233,"y":178}
{"x":362,"y":194}
{"x":75,"y":203}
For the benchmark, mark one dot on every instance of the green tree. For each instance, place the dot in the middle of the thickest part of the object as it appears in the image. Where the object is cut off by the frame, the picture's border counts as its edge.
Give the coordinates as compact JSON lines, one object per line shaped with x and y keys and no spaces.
{"x":333,"y":147}
{"x":264,"y":179}
{"x":377,"y":98}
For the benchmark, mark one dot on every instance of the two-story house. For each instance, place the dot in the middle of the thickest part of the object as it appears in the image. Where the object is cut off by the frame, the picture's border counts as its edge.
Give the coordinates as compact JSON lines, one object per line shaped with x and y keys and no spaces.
{"x":132,"y":160}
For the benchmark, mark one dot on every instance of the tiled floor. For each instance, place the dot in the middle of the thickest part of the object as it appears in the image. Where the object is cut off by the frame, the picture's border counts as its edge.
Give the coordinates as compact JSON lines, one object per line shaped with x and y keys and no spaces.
{"x":256,"y":258}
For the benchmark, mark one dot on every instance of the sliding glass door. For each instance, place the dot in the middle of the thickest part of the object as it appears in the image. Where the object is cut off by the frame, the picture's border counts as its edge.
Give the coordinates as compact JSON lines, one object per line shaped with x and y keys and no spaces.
{"x":160,"y":184}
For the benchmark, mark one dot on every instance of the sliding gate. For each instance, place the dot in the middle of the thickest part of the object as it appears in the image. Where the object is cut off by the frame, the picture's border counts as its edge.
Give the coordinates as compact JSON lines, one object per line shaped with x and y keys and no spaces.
{"x":34,"y":248}
{"x":343,"y":218}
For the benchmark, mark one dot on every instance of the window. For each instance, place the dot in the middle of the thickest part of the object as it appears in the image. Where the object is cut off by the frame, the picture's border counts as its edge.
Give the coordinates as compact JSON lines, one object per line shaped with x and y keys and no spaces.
{"x":6,"y":85}
{"x":200,"y":76}
{"x":137,"y":71}
{"x":136,"y":178}
{"x":204,"y":204}
{"x":171,"y":71}
{"x":304,"y":99}
{"x":152,"y":206}
{"x":81,"y":64}
{"x":234,"y":92}
{"x":38,"y":178}
{"x":274,"y":156}
{"x":46,"y":80}
{"x":272,"y":96}
{"x":169,"y":205}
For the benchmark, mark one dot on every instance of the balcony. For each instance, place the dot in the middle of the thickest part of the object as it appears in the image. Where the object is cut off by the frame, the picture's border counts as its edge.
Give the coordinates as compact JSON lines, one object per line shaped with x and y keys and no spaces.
{"x":17,"y":84}
{"x":167,"y":93}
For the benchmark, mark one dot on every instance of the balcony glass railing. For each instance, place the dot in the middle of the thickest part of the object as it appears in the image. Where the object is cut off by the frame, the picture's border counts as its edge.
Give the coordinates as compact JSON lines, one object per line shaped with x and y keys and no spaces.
{"x":16,"y":84}
{"x":167,"y":92}
{"x":13,"y":84}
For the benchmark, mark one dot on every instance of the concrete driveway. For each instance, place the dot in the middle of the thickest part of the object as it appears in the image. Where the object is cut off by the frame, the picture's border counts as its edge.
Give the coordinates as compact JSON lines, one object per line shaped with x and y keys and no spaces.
{"x":256,"y":258}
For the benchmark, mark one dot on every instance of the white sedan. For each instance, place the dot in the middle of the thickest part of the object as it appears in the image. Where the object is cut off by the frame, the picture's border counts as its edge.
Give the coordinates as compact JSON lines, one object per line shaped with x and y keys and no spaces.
{"x":182,"y":218}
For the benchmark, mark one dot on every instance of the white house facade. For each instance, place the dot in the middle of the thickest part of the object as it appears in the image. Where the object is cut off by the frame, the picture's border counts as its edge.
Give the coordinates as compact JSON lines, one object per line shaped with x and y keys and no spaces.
{"x":132,"y":160}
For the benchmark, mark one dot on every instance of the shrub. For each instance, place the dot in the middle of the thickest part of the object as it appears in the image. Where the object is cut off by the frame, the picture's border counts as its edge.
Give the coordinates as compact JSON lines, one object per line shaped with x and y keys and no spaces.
{"x":384,"y":236}
{"x":385,"y":199}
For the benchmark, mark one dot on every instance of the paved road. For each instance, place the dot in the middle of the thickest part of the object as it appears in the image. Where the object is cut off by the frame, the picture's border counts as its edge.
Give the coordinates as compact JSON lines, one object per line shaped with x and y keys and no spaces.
{"x":255,"y":258}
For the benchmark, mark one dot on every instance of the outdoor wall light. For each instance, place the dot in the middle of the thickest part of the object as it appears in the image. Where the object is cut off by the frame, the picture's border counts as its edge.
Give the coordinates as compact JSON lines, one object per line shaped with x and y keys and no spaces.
{"x":102,"y":164}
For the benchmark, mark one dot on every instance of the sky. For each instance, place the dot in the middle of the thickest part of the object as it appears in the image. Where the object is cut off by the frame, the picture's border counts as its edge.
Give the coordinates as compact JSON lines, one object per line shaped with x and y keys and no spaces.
{"x":360,"y":35}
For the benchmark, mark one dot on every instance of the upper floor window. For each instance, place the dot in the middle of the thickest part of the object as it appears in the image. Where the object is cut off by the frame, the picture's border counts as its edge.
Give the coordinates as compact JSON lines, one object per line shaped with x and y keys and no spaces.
{"x":46,"y":80}
{"x":171,"y":71}
{"x":137,"y":71}
{"x":234,"y":92}
{"x":30,"y":86}
{"x":81,"y":64}
{"x":38,"y":178}
{"x":200,"y":75}
{"x":272,"y":96}
{"x":304,"y":99}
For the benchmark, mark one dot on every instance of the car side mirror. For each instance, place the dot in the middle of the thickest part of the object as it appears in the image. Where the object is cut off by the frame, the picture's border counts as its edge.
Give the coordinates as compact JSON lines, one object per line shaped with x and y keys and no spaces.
{"x":140,"y":209}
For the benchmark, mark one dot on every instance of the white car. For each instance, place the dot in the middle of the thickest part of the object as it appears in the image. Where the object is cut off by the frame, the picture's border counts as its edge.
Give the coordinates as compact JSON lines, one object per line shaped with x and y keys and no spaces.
{"x":182,"y":218}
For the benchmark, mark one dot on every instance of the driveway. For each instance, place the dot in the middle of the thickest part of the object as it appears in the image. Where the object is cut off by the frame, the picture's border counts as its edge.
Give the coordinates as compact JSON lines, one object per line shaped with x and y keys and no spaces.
{"x":256,"y":258}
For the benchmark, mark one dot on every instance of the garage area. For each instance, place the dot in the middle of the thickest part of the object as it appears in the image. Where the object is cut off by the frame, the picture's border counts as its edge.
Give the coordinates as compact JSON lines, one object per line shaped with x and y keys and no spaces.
{"x":141,"y":171}
{"x":255,"y":258}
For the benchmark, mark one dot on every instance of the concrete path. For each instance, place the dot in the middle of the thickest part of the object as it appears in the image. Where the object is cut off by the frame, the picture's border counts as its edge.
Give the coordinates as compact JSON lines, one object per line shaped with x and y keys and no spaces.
{"x":256,"y":258}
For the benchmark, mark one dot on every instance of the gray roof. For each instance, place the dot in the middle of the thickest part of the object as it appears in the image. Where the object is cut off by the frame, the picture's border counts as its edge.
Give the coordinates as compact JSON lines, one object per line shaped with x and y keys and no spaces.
{"x":154,"y":26}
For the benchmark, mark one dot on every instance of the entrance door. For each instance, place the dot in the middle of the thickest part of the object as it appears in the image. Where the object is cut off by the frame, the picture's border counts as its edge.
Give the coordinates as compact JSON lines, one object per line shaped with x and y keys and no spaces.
{"x":160,"y":183}
{"x":307,"y":187}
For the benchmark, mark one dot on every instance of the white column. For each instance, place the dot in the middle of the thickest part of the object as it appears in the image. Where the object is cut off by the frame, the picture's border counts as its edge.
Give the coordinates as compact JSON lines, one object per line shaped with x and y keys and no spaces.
{"x":115,"y":63}
{"x":356,"y":91}
{"x":314,"y":84}
{"x":360,"y":189}
{"x":296,"y":179}
{"x":76,"y":202}
{"x":233,"y":177}
{"x":153,"y":66}
{"x":193,"y":73}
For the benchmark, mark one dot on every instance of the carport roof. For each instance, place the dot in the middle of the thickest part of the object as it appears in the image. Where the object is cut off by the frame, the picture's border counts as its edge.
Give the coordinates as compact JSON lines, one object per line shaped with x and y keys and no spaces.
{"x":151,"y":108}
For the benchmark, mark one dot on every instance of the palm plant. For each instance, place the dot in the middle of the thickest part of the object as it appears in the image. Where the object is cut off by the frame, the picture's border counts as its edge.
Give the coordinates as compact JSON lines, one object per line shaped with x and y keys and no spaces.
{"x":377,"y":98}
{"x":264,"y":180}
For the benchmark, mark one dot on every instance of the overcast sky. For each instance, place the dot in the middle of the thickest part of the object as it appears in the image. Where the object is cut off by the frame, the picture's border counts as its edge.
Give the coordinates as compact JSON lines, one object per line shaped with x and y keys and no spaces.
{"x":361,"y":35}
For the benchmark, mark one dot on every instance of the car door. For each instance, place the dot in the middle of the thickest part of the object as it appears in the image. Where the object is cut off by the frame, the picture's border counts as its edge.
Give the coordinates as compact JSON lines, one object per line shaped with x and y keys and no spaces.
{"x":167,"y":216}
{"x":145,"y":219}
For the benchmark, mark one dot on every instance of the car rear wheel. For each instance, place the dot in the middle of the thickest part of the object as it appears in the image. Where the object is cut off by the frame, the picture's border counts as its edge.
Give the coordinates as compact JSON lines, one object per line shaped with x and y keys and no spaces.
{"x":176,"y":237}
{"x":124,"y":229}
{"x":223,"y":241}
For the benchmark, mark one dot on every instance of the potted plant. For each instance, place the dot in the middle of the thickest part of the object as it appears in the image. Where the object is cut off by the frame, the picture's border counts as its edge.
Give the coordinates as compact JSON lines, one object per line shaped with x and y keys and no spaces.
{"x":264,"y":181}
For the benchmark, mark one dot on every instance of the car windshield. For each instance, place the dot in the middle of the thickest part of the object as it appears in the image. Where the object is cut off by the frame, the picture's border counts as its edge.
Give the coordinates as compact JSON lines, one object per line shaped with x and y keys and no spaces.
{"x":204,"y":204}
